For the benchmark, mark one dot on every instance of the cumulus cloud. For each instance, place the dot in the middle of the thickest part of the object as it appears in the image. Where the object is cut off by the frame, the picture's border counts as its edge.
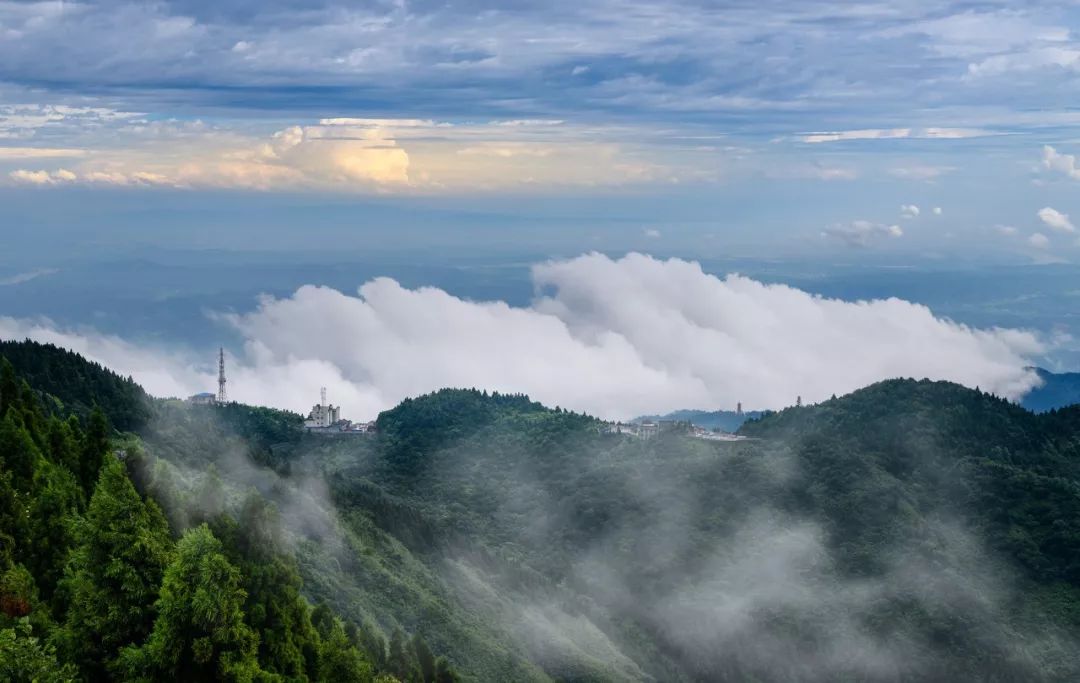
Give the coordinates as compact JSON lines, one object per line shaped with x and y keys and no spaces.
{"x":615,"y":338}
{"x":1062,"y":163}
{"x":367,"y":155}
{"x":862,"y":233}
{"x":937,"y":211}
{"x":1055,"y":220}
{"x":56,"y":177}
{"x":909,"y":211}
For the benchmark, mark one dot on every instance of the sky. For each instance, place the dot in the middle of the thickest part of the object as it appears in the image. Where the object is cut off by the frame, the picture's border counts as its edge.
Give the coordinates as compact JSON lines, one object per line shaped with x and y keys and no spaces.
{"x":926,"y":151}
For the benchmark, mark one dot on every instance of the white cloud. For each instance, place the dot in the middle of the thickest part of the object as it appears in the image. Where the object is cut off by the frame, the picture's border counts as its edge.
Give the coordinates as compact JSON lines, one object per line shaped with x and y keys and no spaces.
{"x":909,"y":211}
{"x":1039,"y":241}
{"x":1006,"y":230}
{"x":894,"y":134}
{"x":937,"y":211}
{"x":613,"y":337}
{"x":862,"y":233}
{"x":19,"y":278}
{"x":1056,"y":220}
{"x":56,"y":177}
{"x":652,"y":233}
{"x":816,"y":171}
{"x":920,"y":171}
{"x":375,"y":156}
{"x":38,"y":153}
{"x":1042,"y":58}
{"x":1062,"y":163}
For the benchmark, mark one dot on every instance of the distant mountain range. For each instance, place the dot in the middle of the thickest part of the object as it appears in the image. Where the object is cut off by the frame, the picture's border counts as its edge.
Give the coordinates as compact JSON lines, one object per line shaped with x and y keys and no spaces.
{"x":1058,"y":390}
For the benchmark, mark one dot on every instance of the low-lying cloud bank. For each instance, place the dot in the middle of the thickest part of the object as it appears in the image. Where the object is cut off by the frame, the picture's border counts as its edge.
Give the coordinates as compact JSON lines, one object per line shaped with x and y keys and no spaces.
{"x":613,"y":337}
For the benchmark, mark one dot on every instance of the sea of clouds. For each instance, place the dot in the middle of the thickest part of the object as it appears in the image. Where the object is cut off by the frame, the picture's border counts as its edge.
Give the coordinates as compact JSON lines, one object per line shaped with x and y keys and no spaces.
{"x":612,"y":337}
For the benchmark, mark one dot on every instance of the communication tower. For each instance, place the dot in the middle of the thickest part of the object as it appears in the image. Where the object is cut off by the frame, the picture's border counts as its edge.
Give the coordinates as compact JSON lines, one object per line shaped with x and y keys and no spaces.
{"x":222,"y":396}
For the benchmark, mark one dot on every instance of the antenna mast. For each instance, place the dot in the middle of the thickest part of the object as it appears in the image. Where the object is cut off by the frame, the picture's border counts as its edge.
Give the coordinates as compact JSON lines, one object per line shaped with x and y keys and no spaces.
{"x":222,"y":397}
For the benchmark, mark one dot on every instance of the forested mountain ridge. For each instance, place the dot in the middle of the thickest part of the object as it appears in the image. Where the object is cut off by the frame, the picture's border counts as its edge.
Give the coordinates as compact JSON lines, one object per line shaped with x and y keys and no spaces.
{"x":908,"y":531}
{"x":98,"y":583}
{"x":78,"y":384}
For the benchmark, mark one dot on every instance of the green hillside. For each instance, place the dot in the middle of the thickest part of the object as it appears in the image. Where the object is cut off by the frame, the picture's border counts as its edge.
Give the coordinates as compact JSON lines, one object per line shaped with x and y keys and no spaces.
{"x":908,"y":531}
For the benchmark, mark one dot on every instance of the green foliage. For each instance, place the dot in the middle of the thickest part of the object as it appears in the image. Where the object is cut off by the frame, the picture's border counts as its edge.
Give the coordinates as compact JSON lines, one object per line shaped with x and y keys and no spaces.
{"x":289,"y":643}
{"x":18,"y":593}
{"x":77,"y":383}
{"x":95,"y":447}
{"x":527,"y":545}
{"x":199,"y":633}
{"x":113,"y":574}
{"x":401,"y":660}
{"x":18,"y":452}
{"x":57,"y":497}
{"x":25,"y":659}
{"x":425,"y":660}
{"x":423,"y":425}
{"x":340,"y":661}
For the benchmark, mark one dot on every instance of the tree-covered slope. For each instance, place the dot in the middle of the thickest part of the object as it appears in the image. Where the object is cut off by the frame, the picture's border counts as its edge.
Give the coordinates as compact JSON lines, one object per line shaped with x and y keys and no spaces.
{"x":908,"y":531}
{"x":98,"y":583}
{"x":77,"y":383}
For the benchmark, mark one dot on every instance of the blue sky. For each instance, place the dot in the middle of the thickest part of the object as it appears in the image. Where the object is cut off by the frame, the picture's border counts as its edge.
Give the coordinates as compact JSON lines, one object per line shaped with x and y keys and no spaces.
{"x":163,"y":164}
{"x":774,"y":123}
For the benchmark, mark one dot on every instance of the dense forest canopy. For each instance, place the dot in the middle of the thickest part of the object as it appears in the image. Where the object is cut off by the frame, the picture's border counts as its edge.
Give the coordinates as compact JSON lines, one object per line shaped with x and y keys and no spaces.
{"x":908,"y":531}
{"x":98,"y":582}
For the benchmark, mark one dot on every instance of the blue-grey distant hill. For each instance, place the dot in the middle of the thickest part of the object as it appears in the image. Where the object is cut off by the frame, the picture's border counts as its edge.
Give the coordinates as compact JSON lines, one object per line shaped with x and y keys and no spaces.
{"x":726,"y":420}
{"x":1058,"y":390}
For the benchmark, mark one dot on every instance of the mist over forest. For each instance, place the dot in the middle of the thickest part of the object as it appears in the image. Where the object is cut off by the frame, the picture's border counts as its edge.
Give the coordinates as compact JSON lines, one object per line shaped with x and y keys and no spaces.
{"x":908,"y":531}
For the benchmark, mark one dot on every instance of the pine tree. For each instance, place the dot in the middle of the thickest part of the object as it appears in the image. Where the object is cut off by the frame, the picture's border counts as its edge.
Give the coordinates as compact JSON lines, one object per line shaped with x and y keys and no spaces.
{"x":56,"y":498}
{"x":94,"y":448}
{"x":199,"y":633}
{"x":444,"y":673}
{"x":113,"y":574}
{"x":340,"y":661}
{"x":63,"y":443}
{"x":18,"y":453}
{"x":9,"y":386}
{"x":424,"y":658}
{"x":275,"y":609}
{"x":400,"y":661}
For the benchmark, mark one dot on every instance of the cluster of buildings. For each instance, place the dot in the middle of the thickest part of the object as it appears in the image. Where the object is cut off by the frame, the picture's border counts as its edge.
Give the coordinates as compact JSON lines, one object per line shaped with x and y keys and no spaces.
{"x":325,"y":418}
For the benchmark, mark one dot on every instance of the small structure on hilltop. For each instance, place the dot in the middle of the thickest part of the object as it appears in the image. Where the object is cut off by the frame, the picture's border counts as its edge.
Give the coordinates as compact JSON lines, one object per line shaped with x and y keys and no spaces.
{"x":323,"y":415}
{"x":326,"y":418}
{"x":204,"y":399}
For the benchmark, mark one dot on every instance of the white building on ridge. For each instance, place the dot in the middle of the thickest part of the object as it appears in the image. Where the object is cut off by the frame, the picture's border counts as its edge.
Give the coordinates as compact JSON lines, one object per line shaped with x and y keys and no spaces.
{"x":323,"y":415}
